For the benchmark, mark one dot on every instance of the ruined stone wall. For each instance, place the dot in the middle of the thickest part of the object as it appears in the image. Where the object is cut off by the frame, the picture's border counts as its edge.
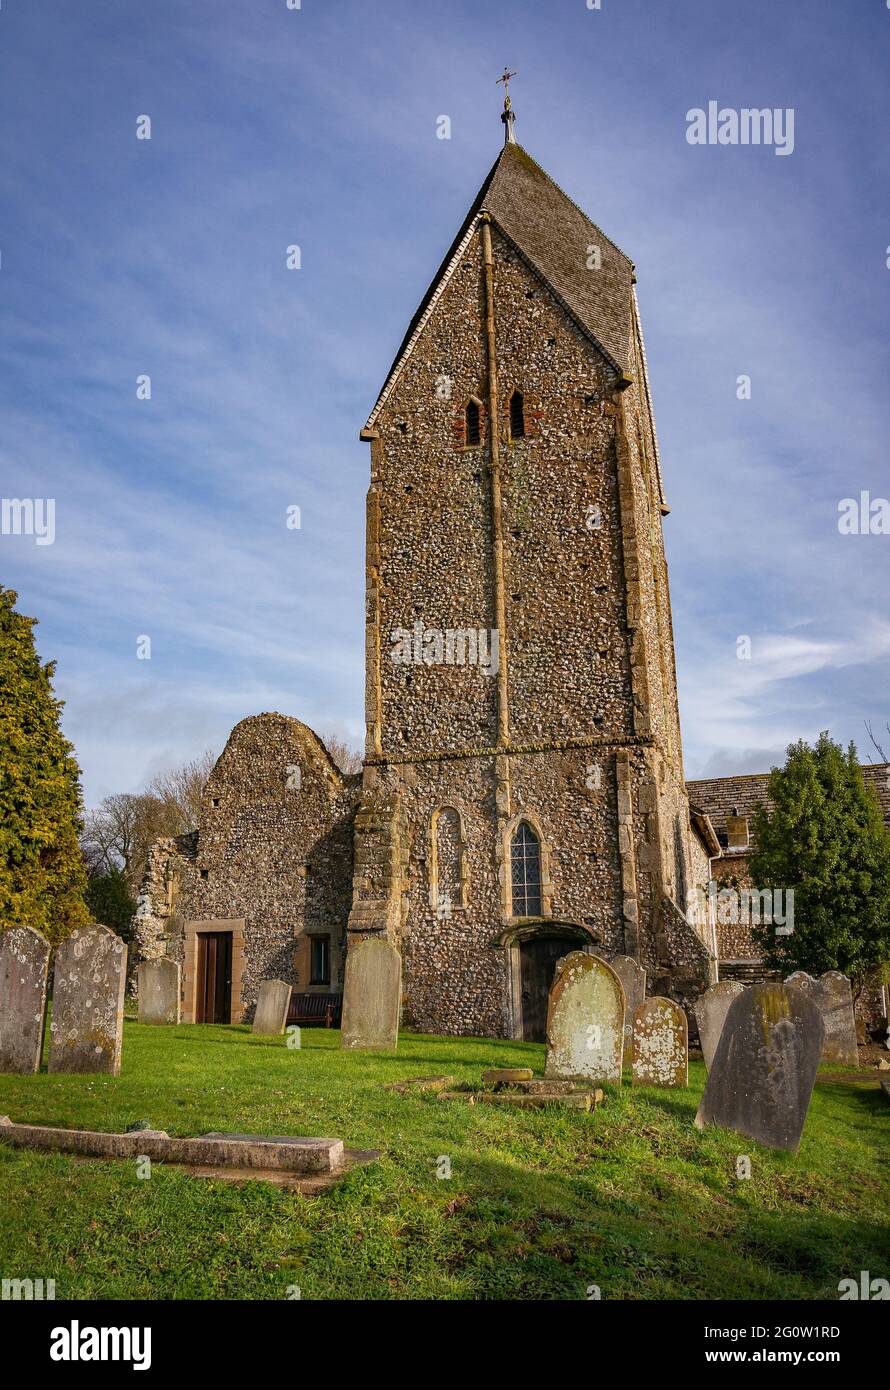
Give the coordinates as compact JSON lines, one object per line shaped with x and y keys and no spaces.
{"x":274,"y":848}
{"x":166,"y":891}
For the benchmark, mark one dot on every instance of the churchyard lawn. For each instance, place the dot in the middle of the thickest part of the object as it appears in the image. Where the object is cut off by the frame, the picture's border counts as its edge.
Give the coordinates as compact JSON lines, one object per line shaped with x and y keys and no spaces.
{"x":540,"y":1204}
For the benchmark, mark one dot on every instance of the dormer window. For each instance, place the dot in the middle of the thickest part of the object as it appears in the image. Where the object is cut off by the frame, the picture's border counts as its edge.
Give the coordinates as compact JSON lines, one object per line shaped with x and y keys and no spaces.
{"x":473,"y":433}
{"x":517,"y":416}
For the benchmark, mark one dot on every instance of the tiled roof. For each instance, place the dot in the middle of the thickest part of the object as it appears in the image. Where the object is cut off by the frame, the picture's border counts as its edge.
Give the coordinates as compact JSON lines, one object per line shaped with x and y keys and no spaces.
{"x":555,"y":236}
{"x":717,"y":796}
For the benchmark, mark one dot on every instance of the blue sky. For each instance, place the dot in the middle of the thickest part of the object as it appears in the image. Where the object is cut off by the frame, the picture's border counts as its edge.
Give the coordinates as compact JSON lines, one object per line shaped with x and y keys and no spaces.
{"x":317,"y":127}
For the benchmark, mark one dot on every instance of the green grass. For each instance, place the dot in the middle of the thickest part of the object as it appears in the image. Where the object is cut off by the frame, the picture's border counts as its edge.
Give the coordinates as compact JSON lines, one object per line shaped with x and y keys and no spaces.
{"x":540,"y":1205}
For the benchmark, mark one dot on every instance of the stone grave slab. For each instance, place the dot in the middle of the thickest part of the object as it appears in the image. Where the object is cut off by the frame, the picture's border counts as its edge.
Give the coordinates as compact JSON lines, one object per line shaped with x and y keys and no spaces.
{"x":24,"y":963}
{"x":158,"y":988}
{"x":273,"y":1002}
{"x":711,"y":1009}
{"x":585,"y":1020}
{"x":633,"y":979}
{"x":834,"y":995}
{"x":372,"y":995}
{"x":87,"y":1024}
{"x":764,"y":1069}
{"x":660,"y":1044}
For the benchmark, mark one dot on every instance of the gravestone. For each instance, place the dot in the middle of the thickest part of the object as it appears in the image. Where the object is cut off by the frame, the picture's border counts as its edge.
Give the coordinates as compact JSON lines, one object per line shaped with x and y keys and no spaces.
{"x":764,"y":1069}
{"x":157,"y":984}
{"x":711,"y":1009}
{"x":372,"y":994}
{"x":24,"y":962}
{"x":585,"y":1020}
{"x":660,"y":1044}
{"x":633,"y":980}
{"x":87,"y":1024}
{"x":272,"y":1005}
{"x":834,"y":996}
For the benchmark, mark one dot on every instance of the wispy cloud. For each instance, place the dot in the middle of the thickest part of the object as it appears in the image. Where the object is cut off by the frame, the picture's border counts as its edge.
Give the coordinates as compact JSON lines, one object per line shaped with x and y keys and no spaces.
{"x":317,"y":127}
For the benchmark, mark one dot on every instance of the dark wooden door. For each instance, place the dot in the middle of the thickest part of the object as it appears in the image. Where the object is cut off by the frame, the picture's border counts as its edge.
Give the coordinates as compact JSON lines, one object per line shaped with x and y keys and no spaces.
{"x":538,"y":959}
{"x":214,"y":985}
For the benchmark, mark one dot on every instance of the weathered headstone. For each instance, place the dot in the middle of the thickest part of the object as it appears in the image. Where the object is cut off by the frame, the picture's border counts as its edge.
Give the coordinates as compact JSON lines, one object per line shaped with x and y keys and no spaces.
{"x":24,"y":962}
{"x":764,"y":1069}
{"x":372,"y":994}
{"x":273,"y":1002}
{"x":660,"y":1044}
{"x":711,"y":1009}
{"x":633,"y":980}
{"x":87,"y":1024}
{"x":157,"y":984}
{"x":834,"y":996}
{"x":585,"y":1020}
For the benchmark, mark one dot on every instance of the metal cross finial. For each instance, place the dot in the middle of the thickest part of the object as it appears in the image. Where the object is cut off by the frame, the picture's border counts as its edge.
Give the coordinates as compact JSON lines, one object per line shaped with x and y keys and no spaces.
{"x":506,"y":81}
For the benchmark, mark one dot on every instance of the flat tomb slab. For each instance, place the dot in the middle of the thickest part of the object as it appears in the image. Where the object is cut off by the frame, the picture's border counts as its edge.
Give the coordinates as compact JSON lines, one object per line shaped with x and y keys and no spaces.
{"x":521,"y":1100}
{"x":420,"y":1083}
{"x":287,"y":1153}
{"x":307,"y":1184}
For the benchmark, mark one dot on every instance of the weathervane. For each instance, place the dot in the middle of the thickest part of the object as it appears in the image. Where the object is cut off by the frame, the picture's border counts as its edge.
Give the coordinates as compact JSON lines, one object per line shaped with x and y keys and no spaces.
{"x":507,"y":115}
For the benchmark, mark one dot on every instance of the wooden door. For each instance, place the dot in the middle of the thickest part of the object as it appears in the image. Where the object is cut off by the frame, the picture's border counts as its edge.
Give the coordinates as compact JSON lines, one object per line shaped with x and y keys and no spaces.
{"x":213,"y":1002}
{"x":538,"y":959}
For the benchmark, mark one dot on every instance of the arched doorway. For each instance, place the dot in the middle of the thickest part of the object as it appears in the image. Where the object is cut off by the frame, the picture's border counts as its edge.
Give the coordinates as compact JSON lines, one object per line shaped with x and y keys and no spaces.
{"x":533,"y":951}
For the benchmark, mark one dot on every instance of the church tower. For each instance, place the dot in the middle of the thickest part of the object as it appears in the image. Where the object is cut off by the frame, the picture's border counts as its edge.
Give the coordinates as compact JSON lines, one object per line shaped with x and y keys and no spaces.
{"x":523,"y":790}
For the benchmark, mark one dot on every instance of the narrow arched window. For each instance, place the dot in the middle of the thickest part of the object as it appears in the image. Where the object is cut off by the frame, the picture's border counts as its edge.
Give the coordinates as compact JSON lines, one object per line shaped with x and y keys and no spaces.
{"x":448,"y":850}
{"x":525,"y":872}
{"x":517,"y":416}
{"x":472,"y":422}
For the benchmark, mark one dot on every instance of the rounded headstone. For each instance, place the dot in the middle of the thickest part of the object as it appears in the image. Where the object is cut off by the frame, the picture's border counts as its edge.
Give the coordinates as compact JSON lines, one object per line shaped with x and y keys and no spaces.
{"x":764,"y":1069}
{"x":833,"y":994}
{"x":711,"y":1009}
{"x":585,"y":1020}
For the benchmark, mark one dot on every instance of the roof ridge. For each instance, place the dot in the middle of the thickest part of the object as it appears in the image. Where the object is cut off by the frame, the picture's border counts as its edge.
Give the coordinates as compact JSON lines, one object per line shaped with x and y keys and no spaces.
{"x":568,"y":197}
{"x":552,"y":290}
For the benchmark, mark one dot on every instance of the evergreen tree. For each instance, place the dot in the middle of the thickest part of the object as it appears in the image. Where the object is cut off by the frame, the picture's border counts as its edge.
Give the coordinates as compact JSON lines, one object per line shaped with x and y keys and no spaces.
{"x":42,"y":877}
{"x":823,"y":835}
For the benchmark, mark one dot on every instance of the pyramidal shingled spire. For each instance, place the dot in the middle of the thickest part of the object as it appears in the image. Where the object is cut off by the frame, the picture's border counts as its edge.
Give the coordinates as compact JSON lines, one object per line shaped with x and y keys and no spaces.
{"x":508,"y":115}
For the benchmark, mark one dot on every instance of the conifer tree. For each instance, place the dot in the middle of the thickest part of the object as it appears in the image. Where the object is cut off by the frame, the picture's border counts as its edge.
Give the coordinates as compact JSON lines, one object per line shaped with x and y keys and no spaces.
{"x":42,"y":876}
{"x":823,"y":835}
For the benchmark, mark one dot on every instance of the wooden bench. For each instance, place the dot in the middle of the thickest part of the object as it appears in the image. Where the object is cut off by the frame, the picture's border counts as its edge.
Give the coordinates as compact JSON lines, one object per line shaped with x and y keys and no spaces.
{"x":320,"y":1009}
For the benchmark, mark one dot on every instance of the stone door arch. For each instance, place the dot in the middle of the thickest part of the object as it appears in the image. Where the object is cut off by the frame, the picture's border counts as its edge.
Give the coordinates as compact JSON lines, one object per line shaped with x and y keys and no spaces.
{"x":533,"y":950}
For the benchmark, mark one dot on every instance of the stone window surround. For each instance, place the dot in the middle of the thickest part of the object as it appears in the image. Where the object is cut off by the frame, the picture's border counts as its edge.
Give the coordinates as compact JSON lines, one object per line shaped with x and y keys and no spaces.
{"x":506,"y":875}
{"x":194,"y":929}
{"x":434,"y":859}
{"x":464,"y":447}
